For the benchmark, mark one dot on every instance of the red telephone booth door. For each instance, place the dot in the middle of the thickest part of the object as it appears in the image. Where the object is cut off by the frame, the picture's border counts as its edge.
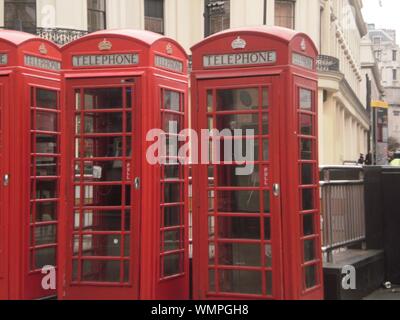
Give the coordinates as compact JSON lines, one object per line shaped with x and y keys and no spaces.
{"x":240,"y":212}
{"x":103,"y":204}
{"x":3,"y":190}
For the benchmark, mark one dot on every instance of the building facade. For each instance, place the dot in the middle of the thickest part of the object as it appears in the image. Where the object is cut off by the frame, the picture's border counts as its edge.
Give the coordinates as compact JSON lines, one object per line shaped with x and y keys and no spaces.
{"x":336,"y":26}
{"x":387,"y":53}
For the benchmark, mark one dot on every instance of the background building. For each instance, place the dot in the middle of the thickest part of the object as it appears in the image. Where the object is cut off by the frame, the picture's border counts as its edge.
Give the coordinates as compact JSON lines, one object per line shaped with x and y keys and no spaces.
{"x":387,"y":52}
{"x":336,"y":26}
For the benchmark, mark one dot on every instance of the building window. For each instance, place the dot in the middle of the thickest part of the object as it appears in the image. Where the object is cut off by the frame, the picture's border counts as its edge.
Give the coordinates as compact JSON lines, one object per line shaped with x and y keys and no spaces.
{"x":96,"y":15}
{"x":154,"y":15}
{"x":20,"y":15}
{"x":394,"y":55}
{"x":377,"y":41}
{"x":285,"y":13}
{"x":217,"y":16}
{"x":394,"y":74}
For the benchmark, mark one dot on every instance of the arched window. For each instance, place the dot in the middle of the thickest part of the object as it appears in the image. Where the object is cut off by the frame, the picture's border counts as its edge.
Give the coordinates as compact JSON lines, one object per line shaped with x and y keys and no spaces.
{"x":20,"y":15}
{"x":96,"y":15}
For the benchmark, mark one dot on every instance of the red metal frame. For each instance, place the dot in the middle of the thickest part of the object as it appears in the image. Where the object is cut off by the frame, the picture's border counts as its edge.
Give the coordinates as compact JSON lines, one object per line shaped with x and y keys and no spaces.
{"x":295,"y":228}
{"x":148,"y":82}
{"x":32,"y":66}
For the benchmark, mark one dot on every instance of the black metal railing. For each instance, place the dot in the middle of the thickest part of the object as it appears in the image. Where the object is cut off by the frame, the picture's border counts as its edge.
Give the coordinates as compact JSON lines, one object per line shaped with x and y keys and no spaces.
{"x":328,"y":63}
{"x":60,"y":36}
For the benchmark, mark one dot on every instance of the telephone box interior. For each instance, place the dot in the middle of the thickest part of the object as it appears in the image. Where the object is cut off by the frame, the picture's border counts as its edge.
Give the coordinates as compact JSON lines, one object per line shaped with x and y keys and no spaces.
{"x":125,"y":218}
{"x":29,"y":163}
{"x":257,"y":235}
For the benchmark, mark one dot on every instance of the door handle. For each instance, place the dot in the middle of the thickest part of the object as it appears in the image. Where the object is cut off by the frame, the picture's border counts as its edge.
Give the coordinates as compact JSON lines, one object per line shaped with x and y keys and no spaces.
{"x":137,"y":183}
{"x":6,"y":180}
{"x":276,"y":190}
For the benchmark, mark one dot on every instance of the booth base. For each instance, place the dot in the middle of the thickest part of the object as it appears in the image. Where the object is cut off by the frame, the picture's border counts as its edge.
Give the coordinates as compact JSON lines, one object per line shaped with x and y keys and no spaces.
{"x":370,"y":270}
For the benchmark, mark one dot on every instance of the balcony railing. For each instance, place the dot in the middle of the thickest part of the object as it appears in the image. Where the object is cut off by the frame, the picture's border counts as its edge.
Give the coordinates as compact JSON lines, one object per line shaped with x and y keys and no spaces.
{"x":60,"y":36}
{"x":327,"y":63}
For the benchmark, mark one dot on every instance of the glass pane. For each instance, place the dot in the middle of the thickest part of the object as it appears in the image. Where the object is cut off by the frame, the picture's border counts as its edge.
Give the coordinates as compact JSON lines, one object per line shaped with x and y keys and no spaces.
{"x":46,"y":211}
{"x":239,"y":122}
{"x":228,"y":177}
{"x":211,"y":227}
{"x":211,"y":254}
{"x":306,"y":99}
{"x":103,"y":122}
{"x":172,"y":240}
{"x":46,"y":144}
{"x":45,"y":257}
{"x":306,"y":149}
{"x":239,"y":201}
{"x":229,"y":149}
{"x":269,"y":280}
{"x":311,"y":276}
{"x":98,"y":220}
{"x":172,"y":171}
{"x":46,"y":190}
{"x":308,"y":199}
{"x":46,"y":121}
{"x":172,"y":265}
{"x":105,"y":98}
{"x":46,"y":99}
{"x":211,"y":280}
{"x":307,"y":176}
{"x":101,"y":271}
{"x":265,"y":98}
{"x":101,"y":147}
{"x":172,"y":216}
{"x":242,"y":282}
{"x":237,"y":99}
{"x":265,"y":150}
{"x":267,"y":202}
{"x":239,"y":254}
{"x":172,"y":100}
{"x":239,"y":228}
{"x":172,"y":123}
{"x":172,"y":193}
{"x":265,"y":123}
{"x":45,"y":235}
{"x":309,"y":250}
{"x":46,"y":167}
{"x":268,"y":256}
{"x":210,"y":101}
{"x":101,"y":196}
{"x":308,"y":225}
{"x":306,"y":125}
{"x":100,"y":245}
{"x":267,"y":228}
{"x":101,"y":171}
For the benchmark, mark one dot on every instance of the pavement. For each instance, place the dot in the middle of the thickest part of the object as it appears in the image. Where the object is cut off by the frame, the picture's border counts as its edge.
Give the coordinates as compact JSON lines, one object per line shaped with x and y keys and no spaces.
{"x":385,"y":294}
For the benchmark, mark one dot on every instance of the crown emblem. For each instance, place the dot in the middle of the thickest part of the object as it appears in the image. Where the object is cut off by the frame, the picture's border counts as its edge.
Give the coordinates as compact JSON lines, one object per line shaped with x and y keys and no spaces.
{"x":43,"y":49}
{"x":303,"y":45}
{"x":105,"y":45}
{"x":239,"y":43}
{"x":169,"y":49}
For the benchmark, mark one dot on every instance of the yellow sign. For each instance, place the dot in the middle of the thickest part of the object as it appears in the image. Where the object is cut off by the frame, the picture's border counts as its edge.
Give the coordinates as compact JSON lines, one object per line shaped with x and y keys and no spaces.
{"x":379,"y":104}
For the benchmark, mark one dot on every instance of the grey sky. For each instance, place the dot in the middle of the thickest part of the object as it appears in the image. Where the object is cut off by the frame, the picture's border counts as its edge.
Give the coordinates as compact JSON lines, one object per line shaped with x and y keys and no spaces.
{"x":386,"y":16}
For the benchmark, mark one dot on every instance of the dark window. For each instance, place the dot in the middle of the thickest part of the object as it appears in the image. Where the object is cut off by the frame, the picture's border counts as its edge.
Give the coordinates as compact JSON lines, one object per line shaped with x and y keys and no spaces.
{"x":96,"y":15}
{"x":394,"y":55}
{"x":154,"y":15}
{"x":217,"y":16}
{"x":284,"y":13}
{"x":20,"y":15}
{"x":394,"y":74}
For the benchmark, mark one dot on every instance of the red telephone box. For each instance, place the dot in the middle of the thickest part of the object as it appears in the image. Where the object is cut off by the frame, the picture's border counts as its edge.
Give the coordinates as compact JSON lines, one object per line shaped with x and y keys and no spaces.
{"x":29,"y":163}
{"x":257,"y":236}
{"x":124,"y":218}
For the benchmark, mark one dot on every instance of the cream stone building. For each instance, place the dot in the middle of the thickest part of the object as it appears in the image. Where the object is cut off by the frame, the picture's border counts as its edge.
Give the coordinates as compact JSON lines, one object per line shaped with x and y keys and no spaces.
{"x":336,"y":26}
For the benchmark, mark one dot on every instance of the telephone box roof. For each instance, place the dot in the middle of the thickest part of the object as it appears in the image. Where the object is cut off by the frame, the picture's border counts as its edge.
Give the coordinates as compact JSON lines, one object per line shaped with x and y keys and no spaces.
{"x":279,"y":33}
{"x":16,"y":37}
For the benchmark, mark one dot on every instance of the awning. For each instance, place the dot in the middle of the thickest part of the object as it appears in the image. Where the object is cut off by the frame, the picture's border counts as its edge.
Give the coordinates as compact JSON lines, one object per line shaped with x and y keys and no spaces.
{"x":379,"y":104}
